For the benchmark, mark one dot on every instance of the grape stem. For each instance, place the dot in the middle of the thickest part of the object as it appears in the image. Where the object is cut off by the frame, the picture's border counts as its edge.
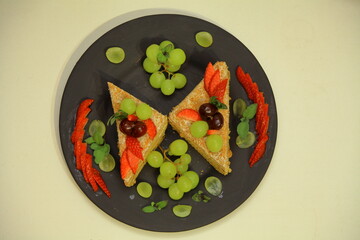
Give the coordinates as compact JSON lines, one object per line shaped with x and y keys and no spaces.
{"x":170,"y":74}
{"x":164,"y":151}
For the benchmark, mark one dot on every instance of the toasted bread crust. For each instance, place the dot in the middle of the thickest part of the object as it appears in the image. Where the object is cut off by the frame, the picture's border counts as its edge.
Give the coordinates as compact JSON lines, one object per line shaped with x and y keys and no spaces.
{"x":160,"y":121}
{"x":220,"y":160}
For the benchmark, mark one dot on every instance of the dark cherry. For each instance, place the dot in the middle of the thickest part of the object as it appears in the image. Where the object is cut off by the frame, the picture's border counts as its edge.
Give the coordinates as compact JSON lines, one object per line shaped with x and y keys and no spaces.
{"x":216,"y":121}
{"x":126,"y":126}
{"x":139,"y":129}
{"x":207,"y":110}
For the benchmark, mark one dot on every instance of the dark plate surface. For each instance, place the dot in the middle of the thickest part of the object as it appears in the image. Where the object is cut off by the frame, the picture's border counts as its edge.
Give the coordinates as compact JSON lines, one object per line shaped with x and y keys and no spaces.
{"x":88,"y":80}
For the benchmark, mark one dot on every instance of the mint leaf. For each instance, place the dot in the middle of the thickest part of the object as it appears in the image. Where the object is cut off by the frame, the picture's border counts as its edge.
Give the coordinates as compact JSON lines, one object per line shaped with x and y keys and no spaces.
{"x":89,"y":140}
{"x":217,"y":103}
{"x":250,"y":111}
{"x":161,"y":57}
{"x":243,"y":128}
{"x":149,"y":209}
{"x":160,"y":205}
{"x":120,"y":115}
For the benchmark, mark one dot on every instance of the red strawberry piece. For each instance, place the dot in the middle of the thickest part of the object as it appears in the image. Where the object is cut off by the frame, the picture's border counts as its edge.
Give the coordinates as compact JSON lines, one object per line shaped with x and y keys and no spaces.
{"x":245,"y":80}
{"x":100,"y":181}
{"x":124,"y":164}
{"x":209,"y":72}
{"x":212,"y":131}
{"x":151,"y":128}
{"x":134,"y":146}
{"x":79,"y":149}
{"x":220,"y":90}
{"x":258,"y":151}
{"x":215,"y":80}
{"x":89,"y":172}
{"x":264,"y":126}
{"x":254,"y":91}
{"x":133,"y":161}
{"x":83,"y":166}
{"x":77,"y":135}
{"x":132,"y":117}
{"x":189,"y":114}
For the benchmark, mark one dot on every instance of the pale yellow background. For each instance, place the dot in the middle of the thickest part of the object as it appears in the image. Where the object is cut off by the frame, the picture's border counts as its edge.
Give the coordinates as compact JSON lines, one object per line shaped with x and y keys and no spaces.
{"x":310,"y":52}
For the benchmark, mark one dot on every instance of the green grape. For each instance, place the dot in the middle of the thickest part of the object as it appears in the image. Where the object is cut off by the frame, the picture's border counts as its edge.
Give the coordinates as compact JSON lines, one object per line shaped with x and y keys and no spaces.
{"x":179,"y":80}
{"x":167,"y":87}
{"x":172,"y":68}
{"x":186,"y":158}
{"x":182,"y":210}
{"x":194,"y":177}
{"x":180,"y":166}
{"x":177,"y":57}
{"x":239,"y":107}
{"x":166,"y":46}
{"x":164,"y":182}
{"x":155,"y":159}
{"x":247,"y":142}
{"x":156,"y":79}
{"x":199,"y":129}
{"x":184,"y":183}
{"x":174,"y":192}
{"x":128,"y":105}
{"x":178,"y":147}
{"x":214,"y":143}
{"x":150,"y":66}
{"x":144,"y":189}
{"x":97,"y":126}
{"x":143,"y":111}
{"x":168,"y":169}
{"x":152,"y":52}
{"x":213,"y":185}
{"x":204,"y":39}
{"x":107,"y":164}
{"x":115,"y":54}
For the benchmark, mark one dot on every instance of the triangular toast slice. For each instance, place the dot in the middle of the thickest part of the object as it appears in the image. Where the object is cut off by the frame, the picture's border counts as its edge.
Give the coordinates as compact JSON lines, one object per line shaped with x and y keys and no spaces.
{"x":198,"y":96}
{"x":130,"y":164}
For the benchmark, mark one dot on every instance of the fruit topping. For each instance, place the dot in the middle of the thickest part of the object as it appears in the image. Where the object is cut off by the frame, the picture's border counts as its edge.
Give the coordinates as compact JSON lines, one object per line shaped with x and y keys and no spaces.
{"x":207,"y":110}
{"x":216,"y":121}
{"x":143,"y":111}
{"x":214,"y":143}
{"x":133,"y":128}
{"x":189,"y":114}
{"x":151,"y":128}
{"x":209,"y":72}
{"x":134,"y":146}
{"x":199,"y":129}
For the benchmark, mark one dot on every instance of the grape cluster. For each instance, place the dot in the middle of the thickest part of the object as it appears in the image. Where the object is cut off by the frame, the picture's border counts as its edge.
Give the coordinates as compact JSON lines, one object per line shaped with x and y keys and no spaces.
{"x":174,"y":175}
{"x":163,"y":59}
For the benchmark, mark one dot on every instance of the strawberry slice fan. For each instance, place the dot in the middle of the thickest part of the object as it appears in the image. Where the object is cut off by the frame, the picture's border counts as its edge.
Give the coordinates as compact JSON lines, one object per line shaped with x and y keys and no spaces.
{"x":83,"y":160}
{"x":213,"y":85}
{"x":262,"y":116}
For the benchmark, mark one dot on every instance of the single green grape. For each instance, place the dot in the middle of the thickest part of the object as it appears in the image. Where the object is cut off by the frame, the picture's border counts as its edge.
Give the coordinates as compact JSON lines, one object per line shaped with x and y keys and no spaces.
{"x":177,"y":56}
{"x":152,"y":52}
{"x":155,"y":159}
{"x":184,"y":183}
{"x":199,"y":129}
{"x":167,"y":87}
{"x":174,"y":192}
{"x":164,"y":182}
{"x":150,"y":66}
{"x":182,"y":210}
{"x":97,"y":126}
{"x":168,"y":169}
{"x":167,"y":45}
{"x":107,"y":164}
{"x":214,"y":143}
{"x":178,"y":147}
{"x":186,"y":158}
{"x":143,"y":111}
{"x":179,"y":80}
{"x":180,"y":166}
{"x":115,"y":54}
{"x":247,"y":142}
{"x":128,"y":105}
{"x":204,"y":39}
{"x":239,"y":107}
{"x":156,"y":79}
{"x":144,"y":189}
{"x":194,"y":177}
{"x":213,"y":185}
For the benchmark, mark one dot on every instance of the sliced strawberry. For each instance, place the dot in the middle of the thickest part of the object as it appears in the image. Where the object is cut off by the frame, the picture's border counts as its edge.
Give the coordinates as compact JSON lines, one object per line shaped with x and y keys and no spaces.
{"x":77,"y":135}
{"x":215,"y":80}
{"x":134,"y":146}
{"x":212,"y":131}
{"x":124,"y":164}
{"x":258,"y":151}
{"x":189,"y":114}
{"x":89,"y":172}
{"x":132,"y":117}
{"x":100,"y":181}
{"x":133,"y":161}
{"x":245,"y":80}
{"x":209,"y":72}
{"x":220,"y":90}
{"x":83,"y":161}
{"x":264,"y":126}
{"x":151,"y":128}
{"x":79,"y":149}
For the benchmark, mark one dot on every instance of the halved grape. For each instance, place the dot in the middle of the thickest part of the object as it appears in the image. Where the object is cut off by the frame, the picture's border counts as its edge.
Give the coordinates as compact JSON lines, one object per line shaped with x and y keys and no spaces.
{"x":150,"y":66}
{"x":179,"y":80}
{"x":204,"y":39}
{"x":184,"y":183}
{"x":152,"y":52}
{"x":115,"y":54}
{"x":144,"y":189}
{"x":168,"y":169}
{"x":178,"y":147}
{"x":143,"y":111}
{"x":167,"y":87}
{"x":164,"y":182}
{"x":174,"y":192}
{"x":107,"y":164}
{"x":156,"y":79}
{"x":155,"y":159}
{"x":214,"y":143}
{"x":199,"y":129}
{"x":182,"y":210}
{"x":166,"y":46}
{"x":247,"y":142}
{"x":97,"y":126}
{"x":128,"y":105}
{"x":239,"y":107}
{"x":177,"y":56}
{"x":213,"y":185}
{"x":194,"y":177}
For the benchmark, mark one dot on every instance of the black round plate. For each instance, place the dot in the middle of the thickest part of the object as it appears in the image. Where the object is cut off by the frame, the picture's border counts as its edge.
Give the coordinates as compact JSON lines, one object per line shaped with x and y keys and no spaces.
{"x":89,"y":80}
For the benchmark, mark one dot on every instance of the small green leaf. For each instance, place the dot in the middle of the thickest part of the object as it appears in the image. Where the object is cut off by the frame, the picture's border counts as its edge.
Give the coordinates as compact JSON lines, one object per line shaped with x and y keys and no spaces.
{"x":149,"y":209}
{"x":243,"y":129}
{"x":99,"y":155}
{"x":250,"y":111}
{"x":98,"y":138}
{"x":161,"y":57}
{"x":89,"y":140}
{"x":120,"y":115}
{"x":160,"y":205}
{"x":217,"y":103}
{"x":95,"y":146}
{"x":196,"y":197}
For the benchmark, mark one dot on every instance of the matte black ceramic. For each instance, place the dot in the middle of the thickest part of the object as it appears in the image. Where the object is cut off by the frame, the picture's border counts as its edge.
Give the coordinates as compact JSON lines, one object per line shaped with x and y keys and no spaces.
{"x":89,"y":80}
